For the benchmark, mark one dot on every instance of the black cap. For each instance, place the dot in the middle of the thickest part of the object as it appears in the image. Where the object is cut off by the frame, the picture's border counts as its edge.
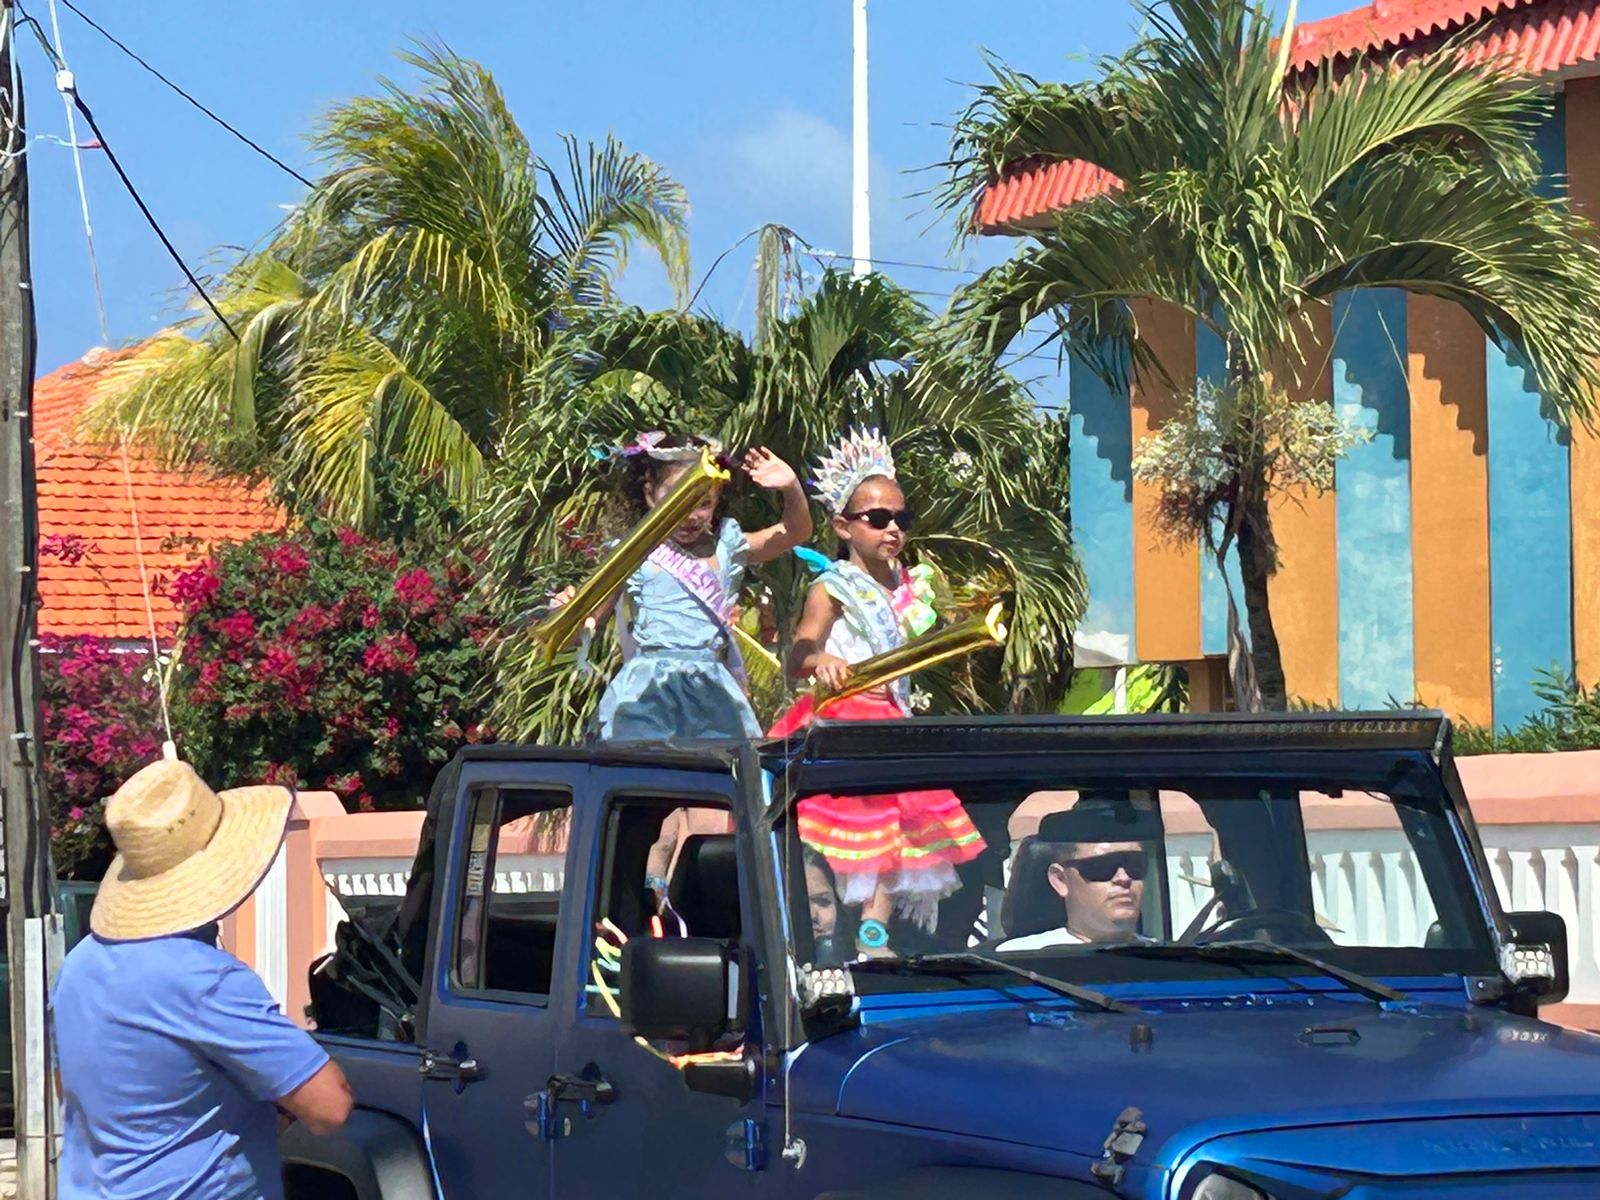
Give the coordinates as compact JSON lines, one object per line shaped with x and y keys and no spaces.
{"x":1102,"y":816}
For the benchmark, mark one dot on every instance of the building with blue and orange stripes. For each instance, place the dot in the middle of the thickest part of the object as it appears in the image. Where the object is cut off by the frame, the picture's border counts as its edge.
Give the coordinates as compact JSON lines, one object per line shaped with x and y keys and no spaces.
{"x":1459,"y":554}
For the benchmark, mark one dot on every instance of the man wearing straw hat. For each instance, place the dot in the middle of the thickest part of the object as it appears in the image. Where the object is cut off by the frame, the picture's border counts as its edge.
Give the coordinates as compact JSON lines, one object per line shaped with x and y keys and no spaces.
{"x":174,"y":1061}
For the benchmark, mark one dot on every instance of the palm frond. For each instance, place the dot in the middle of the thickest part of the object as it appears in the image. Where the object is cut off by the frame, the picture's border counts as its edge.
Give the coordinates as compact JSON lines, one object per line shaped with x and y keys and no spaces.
{"x":1016,"y":119}
{"x":1339,"y":123}
{"x":612,"y":197}
{"x":359,"y":405}
{"x":1520,"y":264}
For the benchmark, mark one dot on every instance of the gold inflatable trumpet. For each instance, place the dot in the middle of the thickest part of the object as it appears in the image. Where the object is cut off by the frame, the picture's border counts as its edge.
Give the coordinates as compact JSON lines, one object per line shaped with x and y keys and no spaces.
{"x":760,"y":664}
{"x":558,"y":629}
{"x":920,"y":653}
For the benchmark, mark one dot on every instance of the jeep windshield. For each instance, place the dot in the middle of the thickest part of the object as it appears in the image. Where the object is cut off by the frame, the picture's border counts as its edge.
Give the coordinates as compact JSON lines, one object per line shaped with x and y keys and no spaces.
{"x":1106,"y":869}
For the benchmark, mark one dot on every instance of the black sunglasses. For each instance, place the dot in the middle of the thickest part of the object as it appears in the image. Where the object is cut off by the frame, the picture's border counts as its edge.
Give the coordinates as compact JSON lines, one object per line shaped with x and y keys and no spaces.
{"x":1102,"y":868}
{"x":879,"y":518}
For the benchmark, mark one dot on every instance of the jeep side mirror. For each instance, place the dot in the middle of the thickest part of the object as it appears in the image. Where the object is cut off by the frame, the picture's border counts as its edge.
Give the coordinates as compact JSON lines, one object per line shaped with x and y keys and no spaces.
{"x":679,"y":990}
{"x":1535,"y":959}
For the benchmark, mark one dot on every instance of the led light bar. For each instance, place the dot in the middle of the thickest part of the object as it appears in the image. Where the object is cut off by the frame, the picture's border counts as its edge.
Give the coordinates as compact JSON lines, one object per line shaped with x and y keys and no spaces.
{"x":1227,"y":732}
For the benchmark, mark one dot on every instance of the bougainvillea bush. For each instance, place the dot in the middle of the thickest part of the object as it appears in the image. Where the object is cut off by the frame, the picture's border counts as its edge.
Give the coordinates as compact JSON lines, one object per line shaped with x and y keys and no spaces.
{"x":101,"y":722}
{"x":323,"y":659}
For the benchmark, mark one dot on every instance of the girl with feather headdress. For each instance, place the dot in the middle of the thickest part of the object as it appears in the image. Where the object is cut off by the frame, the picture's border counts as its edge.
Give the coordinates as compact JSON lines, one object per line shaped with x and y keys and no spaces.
{"x":888,"y":853}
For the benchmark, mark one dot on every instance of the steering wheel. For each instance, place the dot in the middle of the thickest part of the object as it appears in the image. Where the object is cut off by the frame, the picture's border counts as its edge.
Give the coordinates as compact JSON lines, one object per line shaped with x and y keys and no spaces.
{"x":1274,"y":924}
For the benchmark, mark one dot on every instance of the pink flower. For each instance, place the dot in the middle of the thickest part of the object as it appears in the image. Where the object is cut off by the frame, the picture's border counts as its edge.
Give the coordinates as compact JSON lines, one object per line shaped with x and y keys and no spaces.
{"x":370,"y":617}
{"x":281,"y":773}
{"x":70,"y":548}
{"x":350,"y":539}
{"x":415,"y":590}
{"x":308,"y":622}
{"x":193,"y":588}
{"x":280,"y":663}
{"x":397,"y":652}
{"x":344,"y":784}
{"x":237,"y":629}
{"x":75,"y":813}
{"x":288,"y":559}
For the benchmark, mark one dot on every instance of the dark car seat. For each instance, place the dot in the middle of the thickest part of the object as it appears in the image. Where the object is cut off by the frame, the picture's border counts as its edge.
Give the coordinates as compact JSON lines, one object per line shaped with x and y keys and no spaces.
{"x":1031,"y":905}
{"x":704,"y":889}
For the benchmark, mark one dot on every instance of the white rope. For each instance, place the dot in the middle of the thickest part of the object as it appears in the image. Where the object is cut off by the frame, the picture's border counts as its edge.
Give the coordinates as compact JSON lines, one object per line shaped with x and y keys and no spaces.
{"x":169,"y":748}
{"x":66,"y":85}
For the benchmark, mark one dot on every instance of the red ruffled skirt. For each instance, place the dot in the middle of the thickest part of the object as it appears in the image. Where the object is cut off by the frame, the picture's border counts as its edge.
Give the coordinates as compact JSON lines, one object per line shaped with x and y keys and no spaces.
{"x":908,"y":844}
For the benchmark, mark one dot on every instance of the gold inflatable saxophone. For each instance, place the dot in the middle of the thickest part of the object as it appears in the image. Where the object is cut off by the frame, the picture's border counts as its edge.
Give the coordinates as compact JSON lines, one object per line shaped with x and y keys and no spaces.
{"x":920,"y":653}
{"x":557,"y":630}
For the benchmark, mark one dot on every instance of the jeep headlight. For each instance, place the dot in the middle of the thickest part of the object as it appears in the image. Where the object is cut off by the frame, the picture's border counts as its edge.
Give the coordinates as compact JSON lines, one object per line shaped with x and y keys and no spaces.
{"x":1221,"y":1187}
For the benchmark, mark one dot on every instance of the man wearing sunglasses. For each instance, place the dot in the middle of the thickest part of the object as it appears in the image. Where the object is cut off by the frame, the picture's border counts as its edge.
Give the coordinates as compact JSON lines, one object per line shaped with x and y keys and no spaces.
{"x":1099,"y":876}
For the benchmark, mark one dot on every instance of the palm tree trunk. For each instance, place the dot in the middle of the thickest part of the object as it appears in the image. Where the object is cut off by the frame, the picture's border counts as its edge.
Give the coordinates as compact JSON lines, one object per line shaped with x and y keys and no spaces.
{"x":1255,"y":567}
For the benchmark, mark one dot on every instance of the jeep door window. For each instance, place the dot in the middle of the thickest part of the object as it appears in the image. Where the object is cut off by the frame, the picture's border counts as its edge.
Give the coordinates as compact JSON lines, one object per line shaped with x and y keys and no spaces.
{"x":669,"y":868}
{"x":511,"y":892}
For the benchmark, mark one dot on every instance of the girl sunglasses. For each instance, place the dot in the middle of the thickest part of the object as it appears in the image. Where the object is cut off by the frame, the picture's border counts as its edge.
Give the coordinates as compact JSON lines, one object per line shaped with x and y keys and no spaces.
{"x":879,"y":518}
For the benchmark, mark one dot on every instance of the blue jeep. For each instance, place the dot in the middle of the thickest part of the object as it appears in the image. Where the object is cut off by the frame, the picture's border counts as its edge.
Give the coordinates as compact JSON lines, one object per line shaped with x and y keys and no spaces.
{"x":1199,"y":958}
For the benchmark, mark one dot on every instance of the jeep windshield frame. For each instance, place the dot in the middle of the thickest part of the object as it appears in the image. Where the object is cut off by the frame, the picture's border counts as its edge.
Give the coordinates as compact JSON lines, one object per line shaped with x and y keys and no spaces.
{"x":1402,"y":757}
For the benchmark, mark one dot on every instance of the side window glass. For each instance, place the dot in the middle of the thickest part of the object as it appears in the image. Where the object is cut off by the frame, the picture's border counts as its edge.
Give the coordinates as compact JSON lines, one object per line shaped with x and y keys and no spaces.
{"x":511,"y":892}
{"x":670,"y":870}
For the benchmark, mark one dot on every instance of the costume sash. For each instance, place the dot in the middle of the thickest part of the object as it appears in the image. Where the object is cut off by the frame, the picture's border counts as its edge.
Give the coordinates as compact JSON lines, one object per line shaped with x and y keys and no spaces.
{"x":705,"y":588}
{"x":870,"y":608}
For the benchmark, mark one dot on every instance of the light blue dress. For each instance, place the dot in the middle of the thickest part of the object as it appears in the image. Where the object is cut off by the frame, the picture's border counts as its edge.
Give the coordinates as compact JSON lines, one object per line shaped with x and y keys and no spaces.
{"x":675,"y":683}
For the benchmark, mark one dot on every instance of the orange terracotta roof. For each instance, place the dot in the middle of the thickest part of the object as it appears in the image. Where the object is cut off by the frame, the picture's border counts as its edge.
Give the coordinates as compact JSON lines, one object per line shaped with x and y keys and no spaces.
{"x":83,"y":495}
{"x":1535,"y":36}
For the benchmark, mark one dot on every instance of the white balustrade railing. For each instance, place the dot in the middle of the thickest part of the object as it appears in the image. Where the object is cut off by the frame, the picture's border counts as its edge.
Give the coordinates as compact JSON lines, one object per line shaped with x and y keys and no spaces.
{"x":1369,"y":891}
{"x":348,"y":879}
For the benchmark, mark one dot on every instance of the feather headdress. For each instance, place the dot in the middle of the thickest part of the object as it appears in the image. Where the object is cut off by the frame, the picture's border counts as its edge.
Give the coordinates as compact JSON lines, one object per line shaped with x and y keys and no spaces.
{"x":651,"y":445}
{"x":862,"y":454}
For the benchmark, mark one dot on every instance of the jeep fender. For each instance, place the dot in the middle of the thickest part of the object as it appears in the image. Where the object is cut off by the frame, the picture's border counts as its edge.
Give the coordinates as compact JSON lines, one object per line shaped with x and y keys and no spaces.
{"x":963,"y":1183}
{"x":379,"y":1156}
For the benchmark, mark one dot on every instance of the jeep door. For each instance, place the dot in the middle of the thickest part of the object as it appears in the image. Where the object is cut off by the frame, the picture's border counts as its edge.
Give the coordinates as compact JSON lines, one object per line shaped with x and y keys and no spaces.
{"x":503,"y":935}
{"x":649,"y":1136}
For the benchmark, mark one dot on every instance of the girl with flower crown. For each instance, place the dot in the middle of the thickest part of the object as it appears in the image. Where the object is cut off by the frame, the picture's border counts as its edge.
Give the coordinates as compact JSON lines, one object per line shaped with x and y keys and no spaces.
{"x":888,"y":853}
{"x":682,"y":677}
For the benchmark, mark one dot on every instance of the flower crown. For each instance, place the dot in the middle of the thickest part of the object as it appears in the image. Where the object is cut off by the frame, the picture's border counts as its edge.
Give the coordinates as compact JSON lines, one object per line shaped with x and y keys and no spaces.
{"x":648,"y":445}
{"x":862,"y":454}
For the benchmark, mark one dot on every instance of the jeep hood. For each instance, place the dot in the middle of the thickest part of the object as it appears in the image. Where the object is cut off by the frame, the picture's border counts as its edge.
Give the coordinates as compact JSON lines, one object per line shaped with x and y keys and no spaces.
{"x":1057,"y":1079}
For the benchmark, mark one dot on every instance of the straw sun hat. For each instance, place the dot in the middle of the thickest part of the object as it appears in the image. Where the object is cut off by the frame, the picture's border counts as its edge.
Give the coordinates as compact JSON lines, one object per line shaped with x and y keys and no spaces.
{"x":186,"y":856}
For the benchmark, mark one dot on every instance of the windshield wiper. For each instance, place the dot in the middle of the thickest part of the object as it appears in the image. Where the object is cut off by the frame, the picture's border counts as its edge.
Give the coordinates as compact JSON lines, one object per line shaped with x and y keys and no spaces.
{"x":1240,"y":952}
{"x":966,"y":963}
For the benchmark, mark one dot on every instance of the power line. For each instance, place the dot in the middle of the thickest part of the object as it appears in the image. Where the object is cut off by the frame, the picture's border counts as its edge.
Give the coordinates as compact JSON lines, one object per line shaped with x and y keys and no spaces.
{"x":120,"y":45}
{"x":712,"y":270}
{"x":835,"y":256}
{"x":67,"y":85}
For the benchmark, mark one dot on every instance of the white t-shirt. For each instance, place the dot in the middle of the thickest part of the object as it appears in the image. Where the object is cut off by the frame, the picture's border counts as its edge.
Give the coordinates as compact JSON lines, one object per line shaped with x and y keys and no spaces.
{"x":1043,"y":941}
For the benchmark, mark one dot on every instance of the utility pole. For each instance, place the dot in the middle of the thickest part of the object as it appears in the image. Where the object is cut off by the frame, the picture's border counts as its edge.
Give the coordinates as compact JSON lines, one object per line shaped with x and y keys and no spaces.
{"x":861,"y":197}
{"x":33,"y":925}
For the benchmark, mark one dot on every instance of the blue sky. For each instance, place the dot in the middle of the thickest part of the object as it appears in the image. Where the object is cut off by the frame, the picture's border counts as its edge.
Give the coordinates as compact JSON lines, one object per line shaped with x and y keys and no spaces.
{"x":747,"y":103}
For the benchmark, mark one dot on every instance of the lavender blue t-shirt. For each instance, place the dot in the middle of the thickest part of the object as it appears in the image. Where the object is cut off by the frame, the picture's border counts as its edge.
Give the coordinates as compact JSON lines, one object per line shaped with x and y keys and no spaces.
{"x":172,"y":1053}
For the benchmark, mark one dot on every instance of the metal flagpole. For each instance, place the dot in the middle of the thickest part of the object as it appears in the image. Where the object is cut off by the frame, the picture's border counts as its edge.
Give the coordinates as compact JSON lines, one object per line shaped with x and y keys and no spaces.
{"x":33,"y":925}
{"x":861,"y":198}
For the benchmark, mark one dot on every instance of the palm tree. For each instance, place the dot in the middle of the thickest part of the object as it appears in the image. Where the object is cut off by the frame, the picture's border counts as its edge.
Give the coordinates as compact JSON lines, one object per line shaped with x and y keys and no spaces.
{"x":1249,"y":200}
{"x":393,"y":319}
{"x":985,"y":471}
